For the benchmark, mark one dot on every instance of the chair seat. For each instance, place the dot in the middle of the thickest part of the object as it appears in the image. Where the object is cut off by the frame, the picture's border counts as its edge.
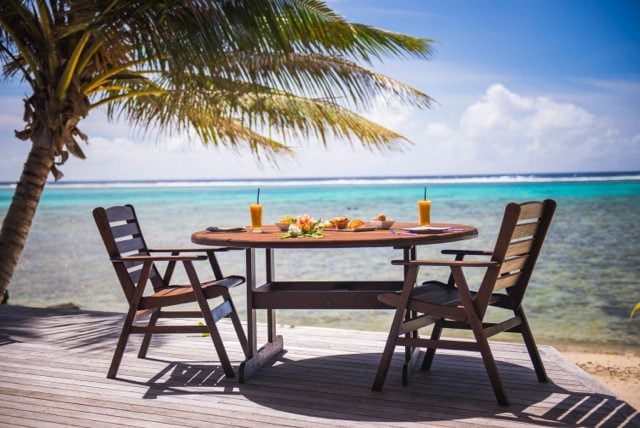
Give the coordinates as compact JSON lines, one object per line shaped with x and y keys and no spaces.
{"x":440,"y":299}
{"x":179,"y":294}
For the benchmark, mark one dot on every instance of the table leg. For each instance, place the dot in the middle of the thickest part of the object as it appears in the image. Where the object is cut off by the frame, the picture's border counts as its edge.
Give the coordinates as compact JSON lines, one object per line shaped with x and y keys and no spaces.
{"x":410,"y":353}
{"x":251,"y":312}
{"x":256,"y":358}
{"x":271,"y":313}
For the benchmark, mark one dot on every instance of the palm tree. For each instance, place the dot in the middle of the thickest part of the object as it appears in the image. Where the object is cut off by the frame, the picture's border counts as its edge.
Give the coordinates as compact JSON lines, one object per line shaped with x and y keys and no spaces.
{"x":233,"y":72}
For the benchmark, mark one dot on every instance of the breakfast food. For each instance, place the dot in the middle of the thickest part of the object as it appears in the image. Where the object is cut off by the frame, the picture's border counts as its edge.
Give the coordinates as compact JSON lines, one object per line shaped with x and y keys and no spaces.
{"x":340,"y":222}
{"x":380,"y":217}
{"x":355,"y":223}
{"x":287,"y":219}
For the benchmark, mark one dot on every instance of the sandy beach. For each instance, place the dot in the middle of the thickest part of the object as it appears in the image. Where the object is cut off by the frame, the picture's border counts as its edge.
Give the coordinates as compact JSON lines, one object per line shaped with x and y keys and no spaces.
{"x":618,"y":370}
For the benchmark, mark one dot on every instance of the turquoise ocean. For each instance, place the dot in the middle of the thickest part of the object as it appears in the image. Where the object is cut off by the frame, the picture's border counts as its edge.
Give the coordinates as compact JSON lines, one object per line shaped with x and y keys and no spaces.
{"x":584,"y":287}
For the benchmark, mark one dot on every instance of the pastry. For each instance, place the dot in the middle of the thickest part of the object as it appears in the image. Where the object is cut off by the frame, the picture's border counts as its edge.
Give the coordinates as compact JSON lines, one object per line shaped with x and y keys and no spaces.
{"x":340,"y":222}
{"x":355,"y":223}
{"x":380,"y":217}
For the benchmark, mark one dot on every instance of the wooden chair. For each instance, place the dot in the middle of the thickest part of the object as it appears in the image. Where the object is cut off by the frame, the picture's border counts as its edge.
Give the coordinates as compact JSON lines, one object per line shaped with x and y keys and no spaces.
{"x":454,"y":305}
{"x":134,"y":266}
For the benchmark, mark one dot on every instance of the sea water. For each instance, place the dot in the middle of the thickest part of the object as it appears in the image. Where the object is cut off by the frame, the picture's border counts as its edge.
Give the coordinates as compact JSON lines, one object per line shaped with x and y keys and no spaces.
{"x":583,"y":288}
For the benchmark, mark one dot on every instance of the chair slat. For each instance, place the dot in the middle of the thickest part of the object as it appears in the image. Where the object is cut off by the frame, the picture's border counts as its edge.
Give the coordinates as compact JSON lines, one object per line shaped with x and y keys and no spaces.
{"x":131,"y":265}
{"x":532,"y":210}
{"x":519,"y":248}
{"x":506,"y":281}
{"x":127,"y":229}
{"x":130,"y":245}
{"x":120,"y":213}
{"x":513,"y":264}
{"x":135,"y":275}
{"x":524,"y":230}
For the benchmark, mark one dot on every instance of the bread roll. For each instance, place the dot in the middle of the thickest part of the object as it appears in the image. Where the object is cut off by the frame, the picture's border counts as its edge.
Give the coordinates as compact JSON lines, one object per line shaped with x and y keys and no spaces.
{"x":340,"y":222}
{"x":355,"y":223}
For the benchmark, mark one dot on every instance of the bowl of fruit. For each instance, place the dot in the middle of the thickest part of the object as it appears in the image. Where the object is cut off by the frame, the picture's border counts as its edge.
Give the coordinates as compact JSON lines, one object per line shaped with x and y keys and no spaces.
{"x":284,"y":223}
{"x":381,"y":222}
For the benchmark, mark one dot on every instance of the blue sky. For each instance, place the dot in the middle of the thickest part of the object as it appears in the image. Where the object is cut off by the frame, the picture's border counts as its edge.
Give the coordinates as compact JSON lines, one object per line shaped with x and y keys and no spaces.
{"x":523,"y":86}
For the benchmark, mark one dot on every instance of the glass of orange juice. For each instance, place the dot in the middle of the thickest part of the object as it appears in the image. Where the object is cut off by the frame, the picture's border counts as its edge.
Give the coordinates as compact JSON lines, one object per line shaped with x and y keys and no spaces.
{"x":256,"y":217}
{"x":424,"y":213}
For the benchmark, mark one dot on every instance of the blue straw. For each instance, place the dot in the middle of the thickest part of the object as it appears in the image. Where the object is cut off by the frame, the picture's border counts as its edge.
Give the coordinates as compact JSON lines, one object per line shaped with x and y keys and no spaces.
{"x":258,"y":198}
{"x":425,"y":193}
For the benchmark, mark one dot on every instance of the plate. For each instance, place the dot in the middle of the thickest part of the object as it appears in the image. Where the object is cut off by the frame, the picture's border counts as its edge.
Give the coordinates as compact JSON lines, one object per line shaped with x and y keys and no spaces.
{"x":216,"y":229}
{"x":357,"y":229}
{"x":427,"y":229}
{"x":381,"y":224}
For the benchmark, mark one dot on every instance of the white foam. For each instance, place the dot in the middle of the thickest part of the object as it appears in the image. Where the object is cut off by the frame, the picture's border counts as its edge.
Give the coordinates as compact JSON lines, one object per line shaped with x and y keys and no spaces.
{"x":351,"y":181}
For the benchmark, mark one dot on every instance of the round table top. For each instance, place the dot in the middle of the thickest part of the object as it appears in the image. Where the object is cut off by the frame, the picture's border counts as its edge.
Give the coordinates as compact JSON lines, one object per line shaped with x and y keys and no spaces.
{"x":271,"y":237}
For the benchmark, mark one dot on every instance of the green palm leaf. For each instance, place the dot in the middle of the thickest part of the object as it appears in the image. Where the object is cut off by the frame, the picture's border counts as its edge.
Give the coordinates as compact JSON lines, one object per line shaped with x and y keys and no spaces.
{"x":260,"y":74}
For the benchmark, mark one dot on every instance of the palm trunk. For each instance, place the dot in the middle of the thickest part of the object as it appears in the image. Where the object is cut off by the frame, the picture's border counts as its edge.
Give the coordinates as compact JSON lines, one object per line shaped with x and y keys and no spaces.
{"x":17,"y":222}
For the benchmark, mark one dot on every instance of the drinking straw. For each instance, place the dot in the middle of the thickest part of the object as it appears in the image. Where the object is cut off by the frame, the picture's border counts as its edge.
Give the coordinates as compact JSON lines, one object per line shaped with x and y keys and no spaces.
{"x":425,"y":193}
{"x":258,"y":198}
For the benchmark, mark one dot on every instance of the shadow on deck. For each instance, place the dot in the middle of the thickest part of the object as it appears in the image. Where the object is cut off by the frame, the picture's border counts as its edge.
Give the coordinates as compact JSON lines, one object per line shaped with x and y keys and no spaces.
{"x":54,"y":363}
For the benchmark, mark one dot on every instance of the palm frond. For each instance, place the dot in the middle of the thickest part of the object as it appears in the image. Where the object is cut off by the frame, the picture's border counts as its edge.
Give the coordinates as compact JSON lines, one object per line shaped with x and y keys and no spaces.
{"x":228,"y":71}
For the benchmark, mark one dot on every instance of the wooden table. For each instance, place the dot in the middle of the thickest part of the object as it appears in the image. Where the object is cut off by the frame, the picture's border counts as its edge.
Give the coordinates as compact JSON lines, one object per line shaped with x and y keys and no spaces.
{"x":346,"y":294}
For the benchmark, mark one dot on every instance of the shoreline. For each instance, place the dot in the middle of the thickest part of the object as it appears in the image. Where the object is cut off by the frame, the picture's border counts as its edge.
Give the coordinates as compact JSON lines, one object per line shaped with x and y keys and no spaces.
{"x":618,"y":371}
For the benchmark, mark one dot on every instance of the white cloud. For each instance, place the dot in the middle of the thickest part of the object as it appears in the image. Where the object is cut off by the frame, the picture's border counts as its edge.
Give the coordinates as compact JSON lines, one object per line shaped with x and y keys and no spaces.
{"x":539,"y":133}
{"x":496,"y":131}
{"x":437,"y":130}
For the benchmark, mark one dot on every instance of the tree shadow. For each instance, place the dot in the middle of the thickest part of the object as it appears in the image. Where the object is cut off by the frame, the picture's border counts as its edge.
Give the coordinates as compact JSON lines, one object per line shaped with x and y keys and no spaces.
{"x":69,"y":328}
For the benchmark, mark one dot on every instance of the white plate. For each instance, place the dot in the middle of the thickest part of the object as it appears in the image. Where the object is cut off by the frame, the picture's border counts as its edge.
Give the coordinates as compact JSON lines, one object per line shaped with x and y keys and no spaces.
{"x":427,"y":229}
{"x":357,"y":229}
{"x":216,"y":229}
{"x":381,"y":224}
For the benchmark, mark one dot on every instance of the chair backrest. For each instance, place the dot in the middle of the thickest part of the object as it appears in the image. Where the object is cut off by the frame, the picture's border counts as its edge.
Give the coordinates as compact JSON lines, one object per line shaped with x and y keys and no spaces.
{"x":524,"y":227}
{"x":122,"y":236}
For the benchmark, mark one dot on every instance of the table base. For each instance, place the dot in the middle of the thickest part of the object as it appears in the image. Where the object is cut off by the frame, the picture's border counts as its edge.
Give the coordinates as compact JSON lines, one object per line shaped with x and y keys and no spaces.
{"x":250,"y":366}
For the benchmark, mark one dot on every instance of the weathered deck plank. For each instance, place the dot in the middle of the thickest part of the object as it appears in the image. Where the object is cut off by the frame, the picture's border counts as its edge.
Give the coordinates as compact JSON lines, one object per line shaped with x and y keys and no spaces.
{"x":54,"y":362}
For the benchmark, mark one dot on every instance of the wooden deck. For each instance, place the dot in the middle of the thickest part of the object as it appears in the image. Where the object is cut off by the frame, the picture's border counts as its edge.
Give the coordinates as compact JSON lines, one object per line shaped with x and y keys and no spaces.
{"x":53,"y":365}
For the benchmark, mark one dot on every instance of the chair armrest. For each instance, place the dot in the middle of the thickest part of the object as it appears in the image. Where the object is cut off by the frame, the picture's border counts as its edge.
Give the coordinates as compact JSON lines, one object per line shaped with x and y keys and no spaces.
{"x":156,"y":258}
{"x":469,"y":252}
{"x":190,"y":249}
{"x":461,"y":263}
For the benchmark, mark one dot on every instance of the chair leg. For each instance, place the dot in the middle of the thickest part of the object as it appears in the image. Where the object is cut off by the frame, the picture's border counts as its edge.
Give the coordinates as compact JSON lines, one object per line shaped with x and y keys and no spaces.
{"x":389,"y":347}
{"x":480,"y":336}
{"x":237,"y":325}
{"x":529,"y":341}
{"x":128,"y":321}
{"x":411,"y":274}
{"x":120,"y":347}
{"x":208,"y":319}
{"x":431,"y":352}
{"x":147,"y":336}
{"x":492,"y":369}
